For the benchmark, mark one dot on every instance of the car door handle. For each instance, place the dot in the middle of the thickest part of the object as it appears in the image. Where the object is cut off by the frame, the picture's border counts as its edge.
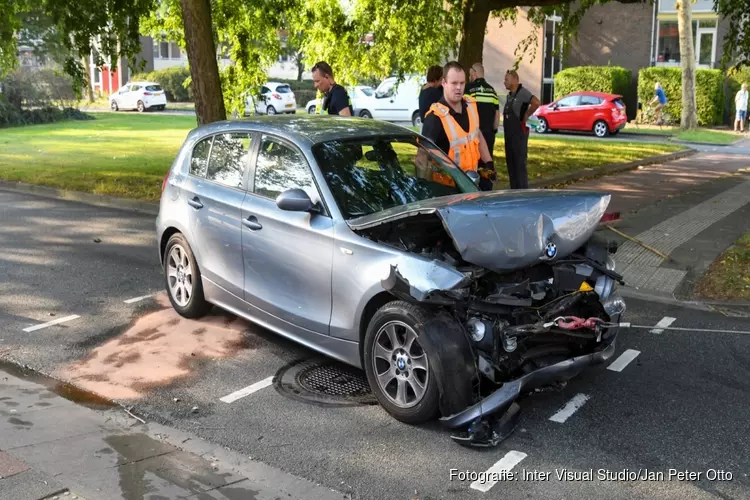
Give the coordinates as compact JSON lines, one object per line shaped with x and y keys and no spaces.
{"x":195,"y":203}
{"x":252,"y":223}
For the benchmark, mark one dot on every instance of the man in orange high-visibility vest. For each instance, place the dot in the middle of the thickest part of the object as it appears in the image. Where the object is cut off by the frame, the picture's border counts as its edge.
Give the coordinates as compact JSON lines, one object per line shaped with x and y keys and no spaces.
{"x":452,"y":124}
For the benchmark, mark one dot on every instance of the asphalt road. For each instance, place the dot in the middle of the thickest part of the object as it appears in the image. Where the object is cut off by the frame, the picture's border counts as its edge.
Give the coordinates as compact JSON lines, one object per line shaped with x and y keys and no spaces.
{"x":680,"y":404}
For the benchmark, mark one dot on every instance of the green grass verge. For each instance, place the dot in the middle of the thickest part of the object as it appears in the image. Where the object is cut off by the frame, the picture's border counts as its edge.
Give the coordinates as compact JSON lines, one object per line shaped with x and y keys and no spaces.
{"x":707,"y":136}
{"x":127,"y":154}
{"x":728,"y":278}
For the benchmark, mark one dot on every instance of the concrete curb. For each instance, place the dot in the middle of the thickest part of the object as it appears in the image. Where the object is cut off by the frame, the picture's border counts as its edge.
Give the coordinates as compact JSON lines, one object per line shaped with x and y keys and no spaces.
{"x":144,"y":207}
{"x":701,"y":305}
{"x":614,"y":168}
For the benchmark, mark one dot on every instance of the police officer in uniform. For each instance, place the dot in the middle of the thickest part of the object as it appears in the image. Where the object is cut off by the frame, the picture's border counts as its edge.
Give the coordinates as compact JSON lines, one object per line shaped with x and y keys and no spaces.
{"x":519,"y":106}
{"x":452,"y":124}
{"x":336,"y":99}
{"x":487,"y":102}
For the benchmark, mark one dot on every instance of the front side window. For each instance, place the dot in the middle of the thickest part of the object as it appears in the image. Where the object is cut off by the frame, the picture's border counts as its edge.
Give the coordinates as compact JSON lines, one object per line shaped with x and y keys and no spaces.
{"x":374,"y":174}
{"x":229,"y":158}
{"x":567,"y":102}
{"x":280,"y":167}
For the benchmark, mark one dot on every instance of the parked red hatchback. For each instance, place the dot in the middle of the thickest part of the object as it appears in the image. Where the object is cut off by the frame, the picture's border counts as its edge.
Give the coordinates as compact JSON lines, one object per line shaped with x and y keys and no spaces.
{"x":597,"y":112}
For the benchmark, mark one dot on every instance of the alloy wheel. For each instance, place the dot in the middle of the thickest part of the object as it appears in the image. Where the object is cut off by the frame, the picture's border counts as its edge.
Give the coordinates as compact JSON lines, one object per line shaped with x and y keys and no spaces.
{"x":179,"y":276}
{"x":400,"y":364}
{"x":600,"y":129}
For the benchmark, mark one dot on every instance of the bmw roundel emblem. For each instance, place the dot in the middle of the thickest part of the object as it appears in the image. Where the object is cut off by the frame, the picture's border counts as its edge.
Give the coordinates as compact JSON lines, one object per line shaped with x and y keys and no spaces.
{"x":401,"y":364}
{"x":551,"y":250}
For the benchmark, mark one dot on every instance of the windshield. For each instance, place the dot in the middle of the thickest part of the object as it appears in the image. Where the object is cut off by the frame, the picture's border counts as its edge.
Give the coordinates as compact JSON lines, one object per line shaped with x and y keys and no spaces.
{"x":374,"y":174}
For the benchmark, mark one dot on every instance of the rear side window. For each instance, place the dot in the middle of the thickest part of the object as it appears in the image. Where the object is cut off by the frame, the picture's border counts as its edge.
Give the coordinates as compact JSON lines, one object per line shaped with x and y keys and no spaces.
{"x":199,"y":160}
{"x":153,"y":88}
{"x":229,"y":157}
{"x":135,"y":87}
{"x":284,"y":89}
{"x":590,"y":100}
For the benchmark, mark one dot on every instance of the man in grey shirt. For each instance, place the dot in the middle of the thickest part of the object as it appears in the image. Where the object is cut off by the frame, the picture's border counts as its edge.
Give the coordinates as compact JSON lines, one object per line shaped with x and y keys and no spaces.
{"x":519,"y":106}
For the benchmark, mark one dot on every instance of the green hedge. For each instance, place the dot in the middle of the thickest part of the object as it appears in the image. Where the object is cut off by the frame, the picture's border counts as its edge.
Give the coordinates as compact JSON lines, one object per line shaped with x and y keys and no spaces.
{"x":709,"y":92}
{"x":172,"y":81}
{"x":610,"y":79}
{"x":12,"y":116}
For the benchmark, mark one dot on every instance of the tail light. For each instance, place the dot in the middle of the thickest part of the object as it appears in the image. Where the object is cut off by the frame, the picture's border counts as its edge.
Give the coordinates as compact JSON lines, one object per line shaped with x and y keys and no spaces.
{"x":610,"y":217}
{"x":147,"y":93}
{"x":276,"y":96}
{"x":164,"y":182}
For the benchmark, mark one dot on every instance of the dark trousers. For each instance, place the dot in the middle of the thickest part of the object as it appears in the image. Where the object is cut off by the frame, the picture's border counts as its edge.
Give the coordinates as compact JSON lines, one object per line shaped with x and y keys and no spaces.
{"x":489,"y":138}
{"x":516,"y":152}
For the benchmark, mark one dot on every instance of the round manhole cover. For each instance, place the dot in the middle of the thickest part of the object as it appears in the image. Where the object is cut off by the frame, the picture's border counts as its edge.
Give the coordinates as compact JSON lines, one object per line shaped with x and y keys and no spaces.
{"x":324,"y":382}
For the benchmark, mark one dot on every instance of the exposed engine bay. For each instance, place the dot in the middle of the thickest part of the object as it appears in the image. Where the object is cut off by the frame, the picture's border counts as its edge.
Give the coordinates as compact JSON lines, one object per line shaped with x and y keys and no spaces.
{"x":499,"y":332}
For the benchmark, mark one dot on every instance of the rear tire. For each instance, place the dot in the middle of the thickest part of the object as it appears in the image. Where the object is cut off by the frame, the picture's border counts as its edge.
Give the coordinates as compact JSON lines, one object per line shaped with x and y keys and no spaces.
{"x":410,"y":393}
{"x":140,"y":107}
{"x":601,"y":129}
{"x":270,"y":110}
{"x":181,"y":273}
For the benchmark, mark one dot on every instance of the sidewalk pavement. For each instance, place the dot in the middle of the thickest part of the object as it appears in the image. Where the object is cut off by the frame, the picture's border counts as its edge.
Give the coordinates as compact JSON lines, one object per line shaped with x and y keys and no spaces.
{"x":690,"y":210}
{"x":51,"y":447}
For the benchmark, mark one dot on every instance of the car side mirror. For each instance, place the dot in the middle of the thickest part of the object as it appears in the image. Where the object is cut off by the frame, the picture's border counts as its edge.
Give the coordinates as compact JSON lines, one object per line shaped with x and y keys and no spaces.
{"x":474,"y":176}
{"x":295,"y":200}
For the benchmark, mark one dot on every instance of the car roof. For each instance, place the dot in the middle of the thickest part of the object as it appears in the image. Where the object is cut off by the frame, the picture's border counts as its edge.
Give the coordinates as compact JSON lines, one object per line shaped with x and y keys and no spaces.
{"x":310,"y":129}
{"x":603,"y":95}
{"x":275,"y":84}
{"x":142,"y":82}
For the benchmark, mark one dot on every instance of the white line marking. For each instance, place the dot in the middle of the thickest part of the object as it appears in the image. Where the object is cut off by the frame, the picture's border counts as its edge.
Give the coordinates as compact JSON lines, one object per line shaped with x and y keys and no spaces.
{"x":137,"y":299}
{"x":663,"y":323}
{"x":624,"y":360}
{"x":510,"y":460}
{"x":230,"y":398}
{"x":51,"y":323}
{"x":570,"y":408}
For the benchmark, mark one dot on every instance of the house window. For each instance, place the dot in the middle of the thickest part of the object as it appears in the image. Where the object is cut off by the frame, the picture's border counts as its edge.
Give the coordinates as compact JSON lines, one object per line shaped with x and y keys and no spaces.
{"x":704,"y":42}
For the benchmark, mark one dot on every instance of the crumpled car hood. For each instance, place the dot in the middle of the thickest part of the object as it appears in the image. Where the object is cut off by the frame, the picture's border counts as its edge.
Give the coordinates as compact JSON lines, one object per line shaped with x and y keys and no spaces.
{"x":507,"y":230}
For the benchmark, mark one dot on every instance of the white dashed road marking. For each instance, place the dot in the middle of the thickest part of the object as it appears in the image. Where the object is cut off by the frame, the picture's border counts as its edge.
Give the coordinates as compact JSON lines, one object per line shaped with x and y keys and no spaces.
{"x":570,"y":408}
{"x":624,"y":360}
{"x":505,"y":464}
{"x":230,"y":398}
{"x":663,"y":323}
{"x":51,"y":323}
{"x":137,"y":299}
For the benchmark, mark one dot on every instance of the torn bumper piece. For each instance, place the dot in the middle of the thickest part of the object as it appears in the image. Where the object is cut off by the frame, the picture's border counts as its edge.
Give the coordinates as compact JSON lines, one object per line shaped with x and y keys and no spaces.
{"x":499,"y":401}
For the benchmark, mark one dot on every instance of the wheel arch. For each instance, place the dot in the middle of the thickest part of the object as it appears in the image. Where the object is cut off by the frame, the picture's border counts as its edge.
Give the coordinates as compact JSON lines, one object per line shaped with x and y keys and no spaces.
{"x":376,"y":302}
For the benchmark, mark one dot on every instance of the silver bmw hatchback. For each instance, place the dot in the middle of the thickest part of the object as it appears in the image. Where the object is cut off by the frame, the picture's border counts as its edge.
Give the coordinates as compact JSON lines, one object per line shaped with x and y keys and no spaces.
{"x":362,"y":240}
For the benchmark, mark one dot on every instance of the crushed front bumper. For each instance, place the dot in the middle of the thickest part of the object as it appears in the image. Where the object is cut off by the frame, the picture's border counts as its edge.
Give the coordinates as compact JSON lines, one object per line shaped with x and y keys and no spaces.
{"x":500,"y":401}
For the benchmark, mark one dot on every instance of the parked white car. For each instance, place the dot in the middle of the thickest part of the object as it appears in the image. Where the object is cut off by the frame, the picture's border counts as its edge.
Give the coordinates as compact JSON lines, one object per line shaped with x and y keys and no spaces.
{"x":140,"y":96}
{"x":275,"y":98}
{"x":359,"y":96}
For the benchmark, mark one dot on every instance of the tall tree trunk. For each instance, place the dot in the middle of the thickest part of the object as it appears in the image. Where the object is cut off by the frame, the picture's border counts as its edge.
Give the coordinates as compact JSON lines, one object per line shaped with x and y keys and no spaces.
{"x":476,"y":14}
{"x":204,"y":69}
{"x":89,"y":87}
{"x":689,"y":118}
{"x":300,"y":65}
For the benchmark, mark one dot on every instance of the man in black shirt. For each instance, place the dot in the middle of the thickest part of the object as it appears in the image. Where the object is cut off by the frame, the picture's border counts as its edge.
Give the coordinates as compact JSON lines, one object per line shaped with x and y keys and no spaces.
{"x":487,"y":103}
{"x":432,"y":91}
{"x":336,"y":99}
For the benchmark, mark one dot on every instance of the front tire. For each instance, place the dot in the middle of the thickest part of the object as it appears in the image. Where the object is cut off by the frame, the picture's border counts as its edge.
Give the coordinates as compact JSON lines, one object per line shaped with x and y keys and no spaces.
{"x":365,"y":114}
{"x":397,"y":366}
{"x":182,"y":278}
{"x":114,"y":106}
{"x":543,"y":126}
